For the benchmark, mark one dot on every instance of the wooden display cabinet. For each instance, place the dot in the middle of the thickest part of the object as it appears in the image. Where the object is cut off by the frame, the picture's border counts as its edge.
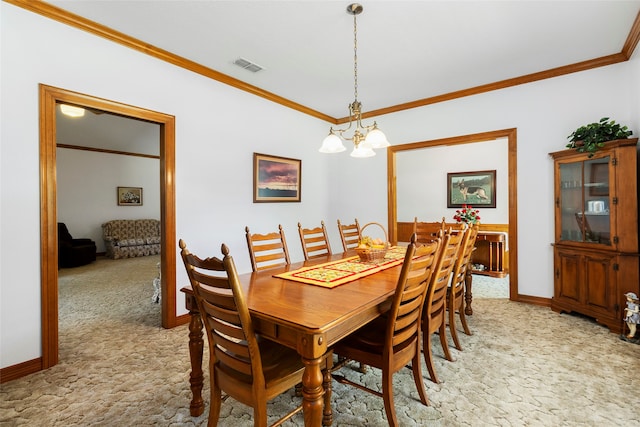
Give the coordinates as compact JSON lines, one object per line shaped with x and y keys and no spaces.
{"x":596,"y":258}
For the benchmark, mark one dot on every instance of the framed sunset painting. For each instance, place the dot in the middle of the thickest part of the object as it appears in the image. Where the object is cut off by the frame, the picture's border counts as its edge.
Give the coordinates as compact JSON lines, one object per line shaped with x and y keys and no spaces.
{"x":276,"y":179}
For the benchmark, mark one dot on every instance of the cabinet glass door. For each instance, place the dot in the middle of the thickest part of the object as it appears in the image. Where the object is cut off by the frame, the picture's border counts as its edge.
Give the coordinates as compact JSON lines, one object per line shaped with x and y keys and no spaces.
{"x":584,"y":201}
{"x":571,"y":201}
{"x":596,"y":218}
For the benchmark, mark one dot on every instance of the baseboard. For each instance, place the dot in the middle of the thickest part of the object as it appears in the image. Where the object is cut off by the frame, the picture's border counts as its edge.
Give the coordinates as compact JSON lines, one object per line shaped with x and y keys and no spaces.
{"x":182,"y":319}
{"x":528,"y":299}
{"x":20,"y":370}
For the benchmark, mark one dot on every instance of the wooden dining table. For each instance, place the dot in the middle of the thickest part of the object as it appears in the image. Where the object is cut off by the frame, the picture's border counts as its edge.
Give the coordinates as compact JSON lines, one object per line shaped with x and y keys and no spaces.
{"x":304,"y":317}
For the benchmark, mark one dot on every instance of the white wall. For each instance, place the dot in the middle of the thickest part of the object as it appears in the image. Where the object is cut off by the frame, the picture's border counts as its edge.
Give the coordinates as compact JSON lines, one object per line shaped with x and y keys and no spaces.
{"x":421,"y":180}
{"x":217,"y":130}
{"x":544,"y":113}
{"x":87,"y":183}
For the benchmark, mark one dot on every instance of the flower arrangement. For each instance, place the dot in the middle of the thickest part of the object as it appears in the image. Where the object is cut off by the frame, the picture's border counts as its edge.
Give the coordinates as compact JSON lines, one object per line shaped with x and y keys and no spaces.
{"x":467,"y":214}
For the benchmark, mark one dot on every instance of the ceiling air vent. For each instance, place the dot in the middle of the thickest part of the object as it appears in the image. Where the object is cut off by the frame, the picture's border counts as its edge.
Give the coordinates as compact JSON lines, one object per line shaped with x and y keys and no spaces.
{"x":248,"y":65}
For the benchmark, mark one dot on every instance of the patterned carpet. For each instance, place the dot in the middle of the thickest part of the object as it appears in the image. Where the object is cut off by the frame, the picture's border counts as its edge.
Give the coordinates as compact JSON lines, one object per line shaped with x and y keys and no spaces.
{"x":524,"y":366}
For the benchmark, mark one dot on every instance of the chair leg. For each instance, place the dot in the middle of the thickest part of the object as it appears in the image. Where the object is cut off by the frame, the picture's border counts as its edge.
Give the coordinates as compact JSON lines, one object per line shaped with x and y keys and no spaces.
{"x":463,"y":318}
{"x":443,"y":342}
{"x":452,"y":329}
{"x":428,"y":357}
{"x":214,"y":405}
{"x":260,"y":415}
{"x":416,"y":367}
{"x":387,"y":396}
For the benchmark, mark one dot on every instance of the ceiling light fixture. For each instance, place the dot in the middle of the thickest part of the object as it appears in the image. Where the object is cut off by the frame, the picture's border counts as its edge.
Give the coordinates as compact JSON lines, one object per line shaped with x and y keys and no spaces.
{"x":365,"y":138}
{"x":71,"y":111}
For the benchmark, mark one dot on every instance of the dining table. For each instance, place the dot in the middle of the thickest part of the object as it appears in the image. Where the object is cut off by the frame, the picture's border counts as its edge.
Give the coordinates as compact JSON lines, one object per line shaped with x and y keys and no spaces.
{"x":295,"y":307}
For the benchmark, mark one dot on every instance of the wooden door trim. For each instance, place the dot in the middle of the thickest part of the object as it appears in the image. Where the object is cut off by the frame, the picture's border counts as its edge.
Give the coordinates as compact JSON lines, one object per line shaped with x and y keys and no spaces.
{"x":511,"y":135}
{"x":49,"y":97}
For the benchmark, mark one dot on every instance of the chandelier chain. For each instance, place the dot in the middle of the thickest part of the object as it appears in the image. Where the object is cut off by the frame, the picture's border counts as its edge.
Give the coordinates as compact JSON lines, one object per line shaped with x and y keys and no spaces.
{"x":365,"y":137}
{"x":355,"y":57}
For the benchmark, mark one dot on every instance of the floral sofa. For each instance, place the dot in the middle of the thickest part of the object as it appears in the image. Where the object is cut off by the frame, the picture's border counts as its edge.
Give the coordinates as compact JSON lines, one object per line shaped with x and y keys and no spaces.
{"x":129,"y":238}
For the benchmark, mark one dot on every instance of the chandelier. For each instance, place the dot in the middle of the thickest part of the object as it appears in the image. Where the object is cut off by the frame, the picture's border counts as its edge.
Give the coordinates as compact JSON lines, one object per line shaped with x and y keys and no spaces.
{"x":365,"y":138}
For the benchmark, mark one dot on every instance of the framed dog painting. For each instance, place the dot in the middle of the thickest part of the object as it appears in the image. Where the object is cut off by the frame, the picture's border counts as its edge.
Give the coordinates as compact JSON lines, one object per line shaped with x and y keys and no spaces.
{"x":477,"y":189}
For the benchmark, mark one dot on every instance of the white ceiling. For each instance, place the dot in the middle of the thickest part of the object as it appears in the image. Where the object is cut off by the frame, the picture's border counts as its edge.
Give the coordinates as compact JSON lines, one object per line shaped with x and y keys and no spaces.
{"x":407,"y":50}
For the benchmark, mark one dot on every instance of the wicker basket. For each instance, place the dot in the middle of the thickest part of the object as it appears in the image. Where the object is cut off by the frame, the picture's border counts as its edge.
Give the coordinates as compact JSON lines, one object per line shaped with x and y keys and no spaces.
{"x":373,"y":254}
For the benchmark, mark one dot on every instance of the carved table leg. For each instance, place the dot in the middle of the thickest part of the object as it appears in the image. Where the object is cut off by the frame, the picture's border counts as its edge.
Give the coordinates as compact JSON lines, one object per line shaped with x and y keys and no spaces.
{"x":196,"y":378}
{"x":468,"y":296}
{"x":312,"y":392}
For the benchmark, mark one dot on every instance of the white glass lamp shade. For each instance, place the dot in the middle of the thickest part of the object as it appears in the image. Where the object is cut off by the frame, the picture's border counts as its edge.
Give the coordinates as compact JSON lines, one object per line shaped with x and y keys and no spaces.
{"x":376,"y":138}
{"x":332,"y":144}
{"x":362,"y":150}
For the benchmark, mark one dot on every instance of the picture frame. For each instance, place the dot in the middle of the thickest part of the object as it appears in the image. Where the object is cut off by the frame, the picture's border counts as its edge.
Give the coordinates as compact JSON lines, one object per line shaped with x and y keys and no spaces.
{"x":477,"y":189}
{"x":129,"y":196}
{"x":276,"y":179}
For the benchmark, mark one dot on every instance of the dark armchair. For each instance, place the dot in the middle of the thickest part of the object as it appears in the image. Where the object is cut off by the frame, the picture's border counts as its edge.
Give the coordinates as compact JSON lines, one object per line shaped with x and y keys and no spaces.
{"x":74,"y":252}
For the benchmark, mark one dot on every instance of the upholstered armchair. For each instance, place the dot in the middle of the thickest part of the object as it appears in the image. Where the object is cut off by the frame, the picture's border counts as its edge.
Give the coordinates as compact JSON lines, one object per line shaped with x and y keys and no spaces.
{"x":74,"y":252}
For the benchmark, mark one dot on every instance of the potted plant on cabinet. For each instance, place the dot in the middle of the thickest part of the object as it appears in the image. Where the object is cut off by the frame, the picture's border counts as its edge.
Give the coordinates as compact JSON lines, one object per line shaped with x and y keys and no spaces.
{"x":589,"y":138}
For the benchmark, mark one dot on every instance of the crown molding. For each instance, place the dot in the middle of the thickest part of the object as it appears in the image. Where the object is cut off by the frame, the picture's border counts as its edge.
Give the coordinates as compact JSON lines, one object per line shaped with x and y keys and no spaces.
{"x":65,"y":17}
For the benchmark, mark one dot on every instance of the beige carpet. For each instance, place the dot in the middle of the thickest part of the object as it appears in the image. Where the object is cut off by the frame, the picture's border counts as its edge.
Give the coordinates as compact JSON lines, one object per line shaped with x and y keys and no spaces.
{"x":524,"y":366}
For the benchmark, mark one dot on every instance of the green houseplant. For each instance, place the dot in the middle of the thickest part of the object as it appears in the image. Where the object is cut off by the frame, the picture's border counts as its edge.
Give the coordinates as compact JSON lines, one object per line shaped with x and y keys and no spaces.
{"x":589,"y":138}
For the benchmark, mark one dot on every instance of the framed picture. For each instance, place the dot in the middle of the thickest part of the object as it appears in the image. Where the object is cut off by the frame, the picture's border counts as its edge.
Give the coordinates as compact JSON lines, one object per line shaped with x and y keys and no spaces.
{"x":471,"y":188}
{"x":129,"y":196}
{"x":276,"y":179}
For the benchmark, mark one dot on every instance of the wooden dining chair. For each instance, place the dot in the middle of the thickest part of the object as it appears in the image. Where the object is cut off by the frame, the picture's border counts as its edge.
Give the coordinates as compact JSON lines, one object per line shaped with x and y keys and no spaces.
{"x":267,"y":250}
{"x":435,"y":306}
{"x":250,"y":369}
{"x":392,"y":341}
{"x":456,"y":290}
{"x":349,"y":235}
{"x":315,"y":241}
{"x":427,"y":231}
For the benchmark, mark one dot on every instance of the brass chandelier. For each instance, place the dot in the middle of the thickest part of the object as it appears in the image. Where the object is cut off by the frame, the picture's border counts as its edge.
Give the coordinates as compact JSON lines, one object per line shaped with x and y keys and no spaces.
{"x":365,"y":137}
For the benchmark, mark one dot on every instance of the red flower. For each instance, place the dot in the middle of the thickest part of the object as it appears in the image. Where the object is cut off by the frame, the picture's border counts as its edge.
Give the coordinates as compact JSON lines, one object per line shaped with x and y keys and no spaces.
{"x":467,"y":214}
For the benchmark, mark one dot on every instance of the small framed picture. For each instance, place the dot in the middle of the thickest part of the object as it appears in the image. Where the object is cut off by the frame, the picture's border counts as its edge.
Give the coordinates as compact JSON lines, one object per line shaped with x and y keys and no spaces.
{"x":129,"y":196}
{"x":276,"y":179}
{"x":471,"y":188}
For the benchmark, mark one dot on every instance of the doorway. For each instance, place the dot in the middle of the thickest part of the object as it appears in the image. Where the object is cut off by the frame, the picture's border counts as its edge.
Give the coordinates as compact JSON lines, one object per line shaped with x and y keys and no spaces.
{"x":49,"y":98}
{"x":511,"y":136}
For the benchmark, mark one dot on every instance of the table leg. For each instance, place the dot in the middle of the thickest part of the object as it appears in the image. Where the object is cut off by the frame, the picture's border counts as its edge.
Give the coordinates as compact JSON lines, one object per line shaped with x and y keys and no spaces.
{"x":312,"y":392}
{"x":491,"y":262}
{"x":327,"y":415}
{"x":196,"y":378}
{"x":468,"y":296}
